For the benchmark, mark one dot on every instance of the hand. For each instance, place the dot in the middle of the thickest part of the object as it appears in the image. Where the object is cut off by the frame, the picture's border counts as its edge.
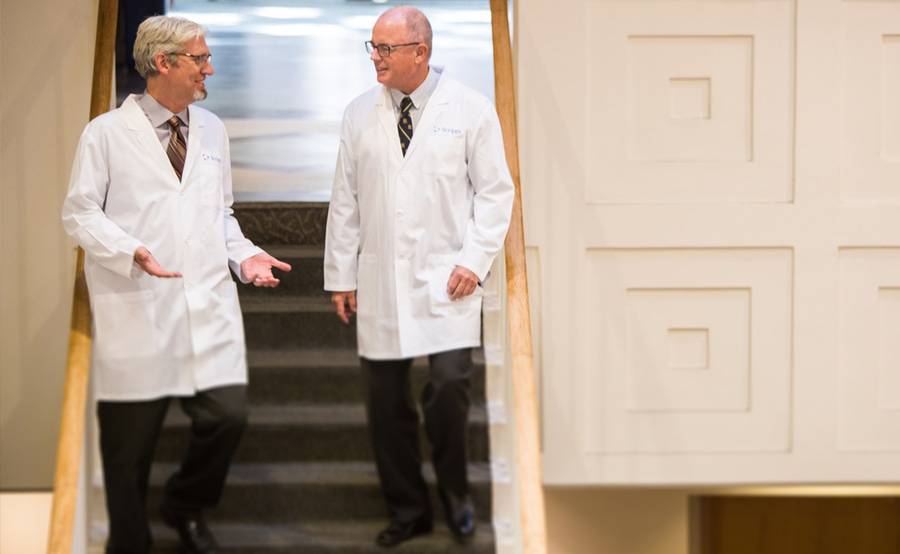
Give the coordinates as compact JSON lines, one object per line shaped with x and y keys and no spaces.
{"x":258,"y":269}
{"x":462,"y":283}
{"x":148,"y":263}
{"x":344,"y":304}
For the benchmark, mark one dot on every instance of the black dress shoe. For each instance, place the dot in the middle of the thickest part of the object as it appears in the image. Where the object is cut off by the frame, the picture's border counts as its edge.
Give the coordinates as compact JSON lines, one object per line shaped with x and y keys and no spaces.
{"x":398,"y":531}
{"x":463,"y":524}
{"x":460,"y":516}
{"x":196,"y":538}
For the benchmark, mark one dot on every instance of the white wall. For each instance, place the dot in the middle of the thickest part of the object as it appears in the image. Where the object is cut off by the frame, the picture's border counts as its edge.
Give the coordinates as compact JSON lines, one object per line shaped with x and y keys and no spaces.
{"x":46,"y":57}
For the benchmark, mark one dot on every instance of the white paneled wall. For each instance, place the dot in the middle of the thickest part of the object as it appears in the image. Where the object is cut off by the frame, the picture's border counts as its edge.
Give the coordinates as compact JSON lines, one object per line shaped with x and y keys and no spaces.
{"x":713,"y":190}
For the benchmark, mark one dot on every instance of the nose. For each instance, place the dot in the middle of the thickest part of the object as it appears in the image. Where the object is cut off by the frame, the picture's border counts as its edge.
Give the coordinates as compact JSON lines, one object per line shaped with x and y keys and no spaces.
{"x":374,"y":55}
{"x":208,"y":69}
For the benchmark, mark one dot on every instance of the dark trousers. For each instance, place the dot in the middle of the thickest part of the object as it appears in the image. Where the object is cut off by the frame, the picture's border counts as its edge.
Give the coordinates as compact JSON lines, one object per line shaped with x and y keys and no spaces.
{"x":394,"y":427}
{"x":128,"y":434}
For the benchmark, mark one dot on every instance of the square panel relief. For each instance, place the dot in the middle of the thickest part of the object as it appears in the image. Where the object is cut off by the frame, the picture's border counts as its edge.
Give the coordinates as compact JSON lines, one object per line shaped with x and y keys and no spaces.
{"x":683,"y":108}
{"x":689,"y":351}
{"x":674,"y":366}
{"x":687,"y":105}
{"x":688,"y":348}
{"x":890,"y":92}
{"x":869,"y":350}
{"x":870,"y":70}
{"x":689,"y":98}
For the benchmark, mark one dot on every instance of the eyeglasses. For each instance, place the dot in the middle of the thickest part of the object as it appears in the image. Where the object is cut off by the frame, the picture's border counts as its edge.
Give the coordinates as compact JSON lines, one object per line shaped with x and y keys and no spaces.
{"x":384,"y":50}
{"x":199,"y":59}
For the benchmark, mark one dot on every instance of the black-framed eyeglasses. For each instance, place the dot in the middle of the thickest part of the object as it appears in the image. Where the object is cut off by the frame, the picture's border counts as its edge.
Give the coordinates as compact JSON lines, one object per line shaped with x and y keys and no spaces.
{"x":199,"y":59}
{"x":384,"y":50}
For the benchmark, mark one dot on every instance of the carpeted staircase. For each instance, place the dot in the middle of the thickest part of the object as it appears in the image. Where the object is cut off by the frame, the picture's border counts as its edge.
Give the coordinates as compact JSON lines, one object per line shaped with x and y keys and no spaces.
{"x":303,"y":480}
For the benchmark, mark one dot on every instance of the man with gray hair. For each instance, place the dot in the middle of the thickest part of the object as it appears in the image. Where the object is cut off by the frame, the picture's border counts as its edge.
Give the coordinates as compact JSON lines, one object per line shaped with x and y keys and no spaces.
{"x":420,"y":207}
{"x":150,"y":202}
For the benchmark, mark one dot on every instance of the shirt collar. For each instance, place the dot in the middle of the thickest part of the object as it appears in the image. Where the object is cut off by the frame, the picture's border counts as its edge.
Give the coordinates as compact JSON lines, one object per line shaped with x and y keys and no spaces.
{"x":422,"y":93}
{"x":156,"y":112}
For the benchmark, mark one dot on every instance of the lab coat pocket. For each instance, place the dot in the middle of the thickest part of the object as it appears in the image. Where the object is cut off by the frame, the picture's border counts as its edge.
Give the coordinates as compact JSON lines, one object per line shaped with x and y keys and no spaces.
{"x":229,"y":311}
{"x":440,"y":266}
{"x":366,"y":285}
{"x":209,"y":223}
{"x":446,"y":156}
{"x":208,"y":179}
{"x":209,"y":165}
{"x":125,"y":325}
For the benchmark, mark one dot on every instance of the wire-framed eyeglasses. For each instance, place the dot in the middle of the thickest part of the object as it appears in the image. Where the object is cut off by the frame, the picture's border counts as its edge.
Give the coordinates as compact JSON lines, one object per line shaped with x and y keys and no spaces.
{"x":385,"y":50}
{"x":199,"y":59}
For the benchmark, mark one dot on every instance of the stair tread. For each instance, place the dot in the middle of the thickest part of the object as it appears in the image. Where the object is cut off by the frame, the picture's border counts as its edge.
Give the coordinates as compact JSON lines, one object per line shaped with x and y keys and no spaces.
{"x":344,"y":536}
{"x":303,"y":357}
{"x":313,"y":473}
{"x":262,"y":304}
{"x":293,"y":251}
{"x":323,"y":357}
{"x":310,"y":414}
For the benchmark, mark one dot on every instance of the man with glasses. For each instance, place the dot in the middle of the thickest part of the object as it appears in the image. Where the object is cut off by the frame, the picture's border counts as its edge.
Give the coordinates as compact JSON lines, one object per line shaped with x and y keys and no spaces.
{"x":420,"y":207}
{"x":150,"y":202}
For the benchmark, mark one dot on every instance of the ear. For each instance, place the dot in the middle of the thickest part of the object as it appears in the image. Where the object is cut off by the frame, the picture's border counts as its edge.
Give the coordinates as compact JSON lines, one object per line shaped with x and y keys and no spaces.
{"x":421,"y":52}
{"x":161,"y":61}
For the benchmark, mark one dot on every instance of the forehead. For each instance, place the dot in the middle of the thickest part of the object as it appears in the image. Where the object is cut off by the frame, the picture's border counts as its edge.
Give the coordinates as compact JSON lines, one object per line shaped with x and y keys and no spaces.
{"x":195,"y":46}
{"x":389,"y":28}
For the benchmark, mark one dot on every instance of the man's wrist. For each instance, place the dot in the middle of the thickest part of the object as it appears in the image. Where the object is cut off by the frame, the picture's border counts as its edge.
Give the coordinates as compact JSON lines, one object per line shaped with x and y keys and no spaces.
{"x":141,"y":254}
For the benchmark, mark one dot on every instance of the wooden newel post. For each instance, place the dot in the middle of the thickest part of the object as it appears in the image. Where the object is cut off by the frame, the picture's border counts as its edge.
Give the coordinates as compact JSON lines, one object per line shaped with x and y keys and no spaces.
{"x":529,"y":477}
{"x":78,"y":363}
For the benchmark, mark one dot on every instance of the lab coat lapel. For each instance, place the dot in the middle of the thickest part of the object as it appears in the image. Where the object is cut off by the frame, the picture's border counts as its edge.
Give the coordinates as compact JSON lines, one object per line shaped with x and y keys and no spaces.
{"x":194,"y":143}
{"x":137,"y":122}
{"x":385,"y":111}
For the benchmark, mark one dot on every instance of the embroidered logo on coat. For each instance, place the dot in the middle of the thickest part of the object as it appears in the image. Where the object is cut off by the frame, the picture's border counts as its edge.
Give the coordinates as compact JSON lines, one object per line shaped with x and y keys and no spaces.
{"x":446,"y":131}
{"x":210,"y":157}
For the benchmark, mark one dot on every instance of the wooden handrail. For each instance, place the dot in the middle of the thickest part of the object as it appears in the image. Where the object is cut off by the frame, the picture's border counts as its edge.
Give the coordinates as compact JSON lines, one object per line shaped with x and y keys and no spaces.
{"x":78,"y":363}
{"x":529,"y":478}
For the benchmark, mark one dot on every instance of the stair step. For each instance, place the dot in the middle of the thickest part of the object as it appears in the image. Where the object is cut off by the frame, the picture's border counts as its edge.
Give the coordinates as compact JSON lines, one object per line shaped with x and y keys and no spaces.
{"x":303,"y":357}
{"x":288,"y":322}
{"x":325,"y":376}
{"x":293,"y":304}
{"x":292,"y":252}
{"x":324,"y":537}
{"x":288,"y":223}
{"x":315,"y":491}
{"x":306,"y":414}
{"x":326,"y":357}
{"x":306,"y":433}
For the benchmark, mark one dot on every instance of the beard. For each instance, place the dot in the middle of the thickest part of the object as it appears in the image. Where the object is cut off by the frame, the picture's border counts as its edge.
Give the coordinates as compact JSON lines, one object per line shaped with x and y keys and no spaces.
{"x":200,"y":94}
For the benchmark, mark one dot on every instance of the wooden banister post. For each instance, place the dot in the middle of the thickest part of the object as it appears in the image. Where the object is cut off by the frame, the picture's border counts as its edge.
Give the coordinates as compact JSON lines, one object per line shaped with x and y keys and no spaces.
{"x":529,"y":478}
{"x":78,"y":363}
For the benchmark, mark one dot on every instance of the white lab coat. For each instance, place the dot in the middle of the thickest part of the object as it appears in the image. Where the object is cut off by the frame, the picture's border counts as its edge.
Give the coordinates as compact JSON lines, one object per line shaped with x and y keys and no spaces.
{"x":398,"y":225}
{"x":158,"y":337}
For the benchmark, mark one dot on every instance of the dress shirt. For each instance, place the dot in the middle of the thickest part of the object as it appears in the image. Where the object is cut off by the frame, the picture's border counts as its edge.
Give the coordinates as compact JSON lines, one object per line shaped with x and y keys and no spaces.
{"x":419,"y":97}
{"x":159,"y":117}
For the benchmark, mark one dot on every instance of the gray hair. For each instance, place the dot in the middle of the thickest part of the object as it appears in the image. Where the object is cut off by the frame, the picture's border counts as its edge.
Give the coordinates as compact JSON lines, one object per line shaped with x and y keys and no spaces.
{"x":162,"y":34}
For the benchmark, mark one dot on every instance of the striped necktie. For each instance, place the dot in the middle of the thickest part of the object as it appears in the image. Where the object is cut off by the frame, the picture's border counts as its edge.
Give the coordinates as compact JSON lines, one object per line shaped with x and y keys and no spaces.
{"x":404,"y":126}
{"x":177,"y":148}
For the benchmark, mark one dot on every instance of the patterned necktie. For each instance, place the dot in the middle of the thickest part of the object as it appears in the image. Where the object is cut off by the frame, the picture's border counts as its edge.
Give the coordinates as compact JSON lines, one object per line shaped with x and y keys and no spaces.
{"x":177,"y":147}
{"x":404,"y":126}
